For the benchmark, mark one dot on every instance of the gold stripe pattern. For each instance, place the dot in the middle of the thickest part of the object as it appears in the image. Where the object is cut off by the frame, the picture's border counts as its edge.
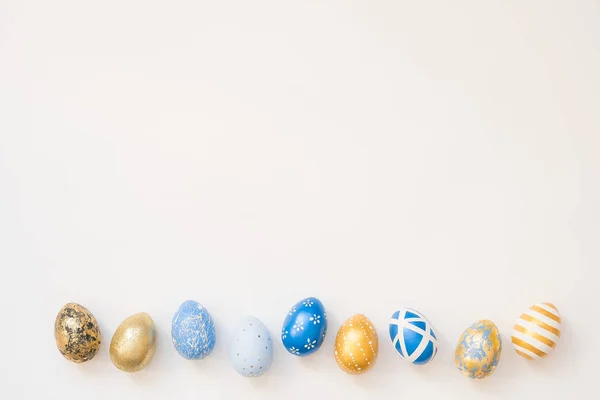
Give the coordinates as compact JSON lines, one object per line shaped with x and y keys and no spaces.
{"x":548,"y":314}
{"x":529,"y":347}
{"x":535,"y":335}
{"x":541,"y":324}
{"x":536,"y":331}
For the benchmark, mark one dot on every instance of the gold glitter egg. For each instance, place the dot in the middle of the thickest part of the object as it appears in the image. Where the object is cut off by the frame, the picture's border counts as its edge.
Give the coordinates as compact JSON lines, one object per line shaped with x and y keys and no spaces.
{"x":133,"y":343}
{"x":356,"y":345}
{"x":76,"y":333}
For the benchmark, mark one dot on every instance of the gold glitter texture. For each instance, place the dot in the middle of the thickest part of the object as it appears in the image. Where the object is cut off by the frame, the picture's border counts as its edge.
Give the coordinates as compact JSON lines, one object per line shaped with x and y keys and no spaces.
{"x":133,"y":343}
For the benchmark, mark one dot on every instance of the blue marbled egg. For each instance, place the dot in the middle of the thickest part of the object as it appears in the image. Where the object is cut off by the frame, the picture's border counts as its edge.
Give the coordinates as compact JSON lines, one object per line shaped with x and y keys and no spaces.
{"x":412,"y":336}
{"x":193,"y":331}
{"x":251,"y":349}
{"x":305,"y":327}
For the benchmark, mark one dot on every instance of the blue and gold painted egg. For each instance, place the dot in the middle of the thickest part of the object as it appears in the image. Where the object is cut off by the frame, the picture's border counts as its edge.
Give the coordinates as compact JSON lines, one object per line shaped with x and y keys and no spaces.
{"x":412,"y":336}
{"x":478,"y":350}
{"x":304,"y":327}
{"x":193,"y":331}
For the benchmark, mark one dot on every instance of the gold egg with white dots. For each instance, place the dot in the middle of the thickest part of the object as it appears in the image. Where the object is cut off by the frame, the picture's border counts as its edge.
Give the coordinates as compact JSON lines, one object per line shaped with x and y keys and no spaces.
{"x":356,"y":345}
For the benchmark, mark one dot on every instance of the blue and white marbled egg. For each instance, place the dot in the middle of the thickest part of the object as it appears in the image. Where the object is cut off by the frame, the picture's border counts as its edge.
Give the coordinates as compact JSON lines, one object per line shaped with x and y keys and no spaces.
{"x":251,"y":350}
{"x":305,"y":327}
{"x":412,"y":336}
{"x":193,"y":331}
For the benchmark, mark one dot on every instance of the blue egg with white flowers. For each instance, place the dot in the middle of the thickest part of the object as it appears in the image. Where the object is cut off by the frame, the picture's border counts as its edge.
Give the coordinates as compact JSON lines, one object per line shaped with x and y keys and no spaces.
{"x":305,"y":327}
{"x":193,"y":331}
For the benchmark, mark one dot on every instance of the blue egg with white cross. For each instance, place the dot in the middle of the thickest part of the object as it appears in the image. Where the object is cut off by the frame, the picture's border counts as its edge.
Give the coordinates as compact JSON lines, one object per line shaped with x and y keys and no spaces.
{"x":193,"y":331}
{"x":412,"y":336}
{"x":304,"y":327}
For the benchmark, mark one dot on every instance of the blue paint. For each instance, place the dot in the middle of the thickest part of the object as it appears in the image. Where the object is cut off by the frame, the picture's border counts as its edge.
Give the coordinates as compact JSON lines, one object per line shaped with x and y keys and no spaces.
{"x":193,"y":331}
{"x":412,"y":336}
{"x":305,"y":327}
{"x":480,"y":347}
{"x":419,"y":324}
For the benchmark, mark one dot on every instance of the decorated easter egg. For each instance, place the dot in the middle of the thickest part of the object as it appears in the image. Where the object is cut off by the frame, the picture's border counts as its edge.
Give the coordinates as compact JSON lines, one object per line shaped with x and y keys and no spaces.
{"x":478,"y":350}
{"x":537,"y":331}
{"x":251,"y":349}
{"x":304,"y":327}
{"x":76,"y":333}
{"x":133,"y":343}
{"x":356,"y":345}
{"x":193,"y":331}
{"x":412,"y":336}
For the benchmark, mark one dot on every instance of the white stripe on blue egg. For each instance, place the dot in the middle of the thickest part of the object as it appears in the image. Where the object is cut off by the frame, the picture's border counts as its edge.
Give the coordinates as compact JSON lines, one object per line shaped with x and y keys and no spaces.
{"x":412,"y":336}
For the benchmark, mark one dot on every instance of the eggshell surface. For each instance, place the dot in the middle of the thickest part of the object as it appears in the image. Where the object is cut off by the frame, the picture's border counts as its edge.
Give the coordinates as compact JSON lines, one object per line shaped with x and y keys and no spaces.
{"x":478,"y":350}
{"x":251,"y":349}
{"x":412,"y":336}
{"x":76,"y":333}
{"x":537,"y":331}
{"x":305,"y":327}
{"x":193,"y":331}
{"x":356,"y":345}
{"x":133,"y":344}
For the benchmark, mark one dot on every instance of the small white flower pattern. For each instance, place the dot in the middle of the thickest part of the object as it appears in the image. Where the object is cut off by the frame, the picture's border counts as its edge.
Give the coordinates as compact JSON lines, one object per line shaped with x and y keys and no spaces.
{"x":298,"y":326}
{"x":306,"y":319}
{"x":310,"y":345}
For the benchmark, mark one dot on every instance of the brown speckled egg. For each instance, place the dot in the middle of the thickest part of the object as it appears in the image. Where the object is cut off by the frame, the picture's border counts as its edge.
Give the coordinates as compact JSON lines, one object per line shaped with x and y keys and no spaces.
{"x":356,"y":345}
{"x":76,"y":333}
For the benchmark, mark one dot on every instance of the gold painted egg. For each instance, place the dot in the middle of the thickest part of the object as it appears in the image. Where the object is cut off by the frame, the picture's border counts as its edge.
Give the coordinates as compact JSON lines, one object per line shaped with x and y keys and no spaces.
{"x":133,"y":343}
{"x":356,"y":345}
{"x":478,"y":350}
{"x":77,"y":333}
{"x":537,"y":331}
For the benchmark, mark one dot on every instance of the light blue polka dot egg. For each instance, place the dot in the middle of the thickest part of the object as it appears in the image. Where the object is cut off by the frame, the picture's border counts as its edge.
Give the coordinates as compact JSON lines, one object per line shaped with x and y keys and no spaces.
{"x":193,"y":331}
{"x":251,"y":349}
{"x":412,"y":336}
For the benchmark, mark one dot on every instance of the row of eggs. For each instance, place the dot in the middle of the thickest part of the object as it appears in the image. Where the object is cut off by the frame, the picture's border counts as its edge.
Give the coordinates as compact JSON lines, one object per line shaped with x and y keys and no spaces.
{"x":413,"y":337}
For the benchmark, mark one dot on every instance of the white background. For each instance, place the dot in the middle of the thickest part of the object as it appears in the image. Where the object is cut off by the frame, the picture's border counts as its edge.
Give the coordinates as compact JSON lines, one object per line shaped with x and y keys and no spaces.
{"x":246,"y":154}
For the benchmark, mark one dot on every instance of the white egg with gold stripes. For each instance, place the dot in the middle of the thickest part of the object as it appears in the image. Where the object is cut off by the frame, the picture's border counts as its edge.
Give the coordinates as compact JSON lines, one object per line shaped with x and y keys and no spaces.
{"x":537,"y":331}
{"x":412,"y":336}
